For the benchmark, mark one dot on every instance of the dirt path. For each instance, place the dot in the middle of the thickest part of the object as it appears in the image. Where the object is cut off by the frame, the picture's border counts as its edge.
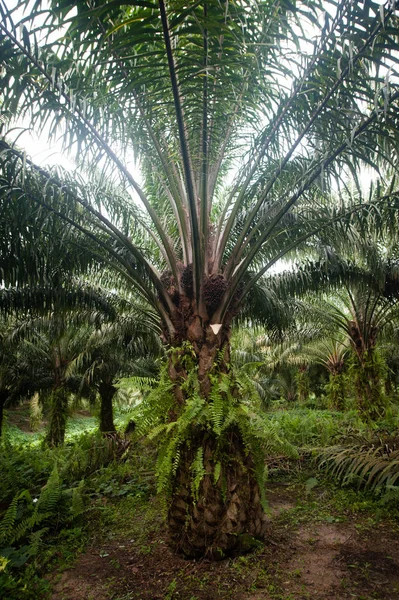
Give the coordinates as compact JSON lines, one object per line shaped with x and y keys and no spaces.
{"x":336,"y":561}
{"x":303,"y":559}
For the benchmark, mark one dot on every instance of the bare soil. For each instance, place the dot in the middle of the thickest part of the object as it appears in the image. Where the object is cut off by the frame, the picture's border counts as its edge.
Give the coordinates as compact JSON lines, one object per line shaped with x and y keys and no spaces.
{"x":304,"y":557}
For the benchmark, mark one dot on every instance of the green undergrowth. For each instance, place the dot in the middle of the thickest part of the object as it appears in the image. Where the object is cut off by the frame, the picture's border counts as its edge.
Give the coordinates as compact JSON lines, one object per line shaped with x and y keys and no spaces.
{"x":94,"y":489}
{"x":309,"y":427}
{"x":320,"y":500}
{"x":50,"y":498}
{"x":77,"y":424}
{"x":341,"y":447}
{"x":137,"y":518}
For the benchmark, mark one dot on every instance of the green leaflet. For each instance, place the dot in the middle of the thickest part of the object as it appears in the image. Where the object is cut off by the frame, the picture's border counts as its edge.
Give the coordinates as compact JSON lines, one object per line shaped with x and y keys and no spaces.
{"x":374,"y":465}
{"x":198,"y":472}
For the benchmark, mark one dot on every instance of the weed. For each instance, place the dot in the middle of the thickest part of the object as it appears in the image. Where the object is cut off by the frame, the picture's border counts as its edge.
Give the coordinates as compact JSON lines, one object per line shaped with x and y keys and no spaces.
{"x":170,"y":590}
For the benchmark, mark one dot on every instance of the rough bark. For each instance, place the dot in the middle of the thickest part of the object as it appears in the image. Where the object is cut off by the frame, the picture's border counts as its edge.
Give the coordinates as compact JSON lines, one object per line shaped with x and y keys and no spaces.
{"x":303,"y":384}
{"x":370,"y":396}
{"x":207,"y":348}
{"x":226,"y":516}
{"x":107,"y":392}
{"x":58,"y":417}
{"x":336,"y":390}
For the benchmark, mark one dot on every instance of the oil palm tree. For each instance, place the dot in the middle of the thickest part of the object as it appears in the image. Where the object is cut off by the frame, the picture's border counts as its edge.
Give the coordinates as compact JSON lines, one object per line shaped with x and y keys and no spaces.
{"x":239,"y":124}
{"x":46,"y":330}
{"x":361,"y":305}
{"x":332,"y":353}
{"x":12,"y":385}
{"x":328,"y":352}
{"x":51,"y":355}
{"x":366,"y":317}
{"x":113,"y":351}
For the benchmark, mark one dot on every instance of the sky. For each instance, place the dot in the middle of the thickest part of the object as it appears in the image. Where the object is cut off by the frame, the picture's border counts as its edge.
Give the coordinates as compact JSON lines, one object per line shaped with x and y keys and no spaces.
{"x":38,"y":147}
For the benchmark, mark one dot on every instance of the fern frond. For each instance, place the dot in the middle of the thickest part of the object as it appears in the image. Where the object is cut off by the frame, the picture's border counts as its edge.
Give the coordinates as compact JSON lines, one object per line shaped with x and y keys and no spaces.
{"x":198,"y":472}
{"x":8,"y":521}
{"x":36,"y":540}
{"x":50,"y":494}
{"x":217,"y":471}
{"x":77,"y":504}
{"x":217,"y":406}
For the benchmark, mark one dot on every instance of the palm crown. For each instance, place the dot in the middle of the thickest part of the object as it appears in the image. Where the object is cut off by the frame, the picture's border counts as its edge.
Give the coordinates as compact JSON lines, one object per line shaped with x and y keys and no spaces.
{"x":234,"y":115}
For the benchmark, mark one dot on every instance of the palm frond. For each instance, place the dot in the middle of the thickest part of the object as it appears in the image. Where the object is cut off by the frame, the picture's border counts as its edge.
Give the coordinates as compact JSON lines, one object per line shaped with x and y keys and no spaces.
{"x":374,"y":466}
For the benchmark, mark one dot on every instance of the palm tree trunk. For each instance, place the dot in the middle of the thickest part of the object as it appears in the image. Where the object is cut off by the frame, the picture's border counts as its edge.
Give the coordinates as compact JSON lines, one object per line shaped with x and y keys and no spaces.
{"x":368,"y":370}
{"x":225,"y":515}
{"x":222,"y":514}
{"x":303,"y":384}
{"x":58,"y":417}
{"x":369,"y":378}
{"x":335,"y":390}
{"x":107,"y":392}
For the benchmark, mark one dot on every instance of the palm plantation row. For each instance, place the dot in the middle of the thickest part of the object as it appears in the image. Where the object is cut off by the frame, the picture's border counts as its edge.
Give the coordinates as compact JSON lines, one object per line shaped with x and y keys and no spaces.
{"x":57,"y":355}
{"x":77,"y":341}
{"x":243,"y":134}
{"x":90,"y":337}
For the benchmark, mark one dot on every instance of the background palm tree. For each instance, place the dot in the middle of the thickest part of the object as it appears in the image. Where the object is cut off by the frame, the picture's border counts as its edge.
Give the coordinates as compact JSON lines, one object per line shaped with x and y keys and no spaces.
{"x":331,"y":354}
{"x":12,"y":385}
{"x":240,"y":125}
{"x":361,"y":270}
{"x":53,"y":353}
{"x":114,"y":351}
{"x":46,"y":331}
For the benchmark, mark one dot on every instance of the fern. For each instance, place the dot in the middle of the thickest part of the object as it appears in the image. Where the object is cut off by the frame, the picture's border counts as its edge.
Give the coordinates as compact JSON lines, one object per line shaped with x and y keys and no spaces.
{"x":217,"y":406}
{"x":36,"y":540}
{"x":217,"y":471}
{"x":77,"y":504}
{"x":50,"y":494}
{"x":3,"y":563}
{"x":194,"y":410}
{"x":136,"y":382}
{"x":26,"y":522}
{"x":198,"y":472}
{"x":42,"y":511}
{"x":156,"y":405}
{"x":167,"y":463}
{"x":227,"y":409}
{"x":227,"y":412}
{"x":13,"y":532}
{"x":8,"y":522}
